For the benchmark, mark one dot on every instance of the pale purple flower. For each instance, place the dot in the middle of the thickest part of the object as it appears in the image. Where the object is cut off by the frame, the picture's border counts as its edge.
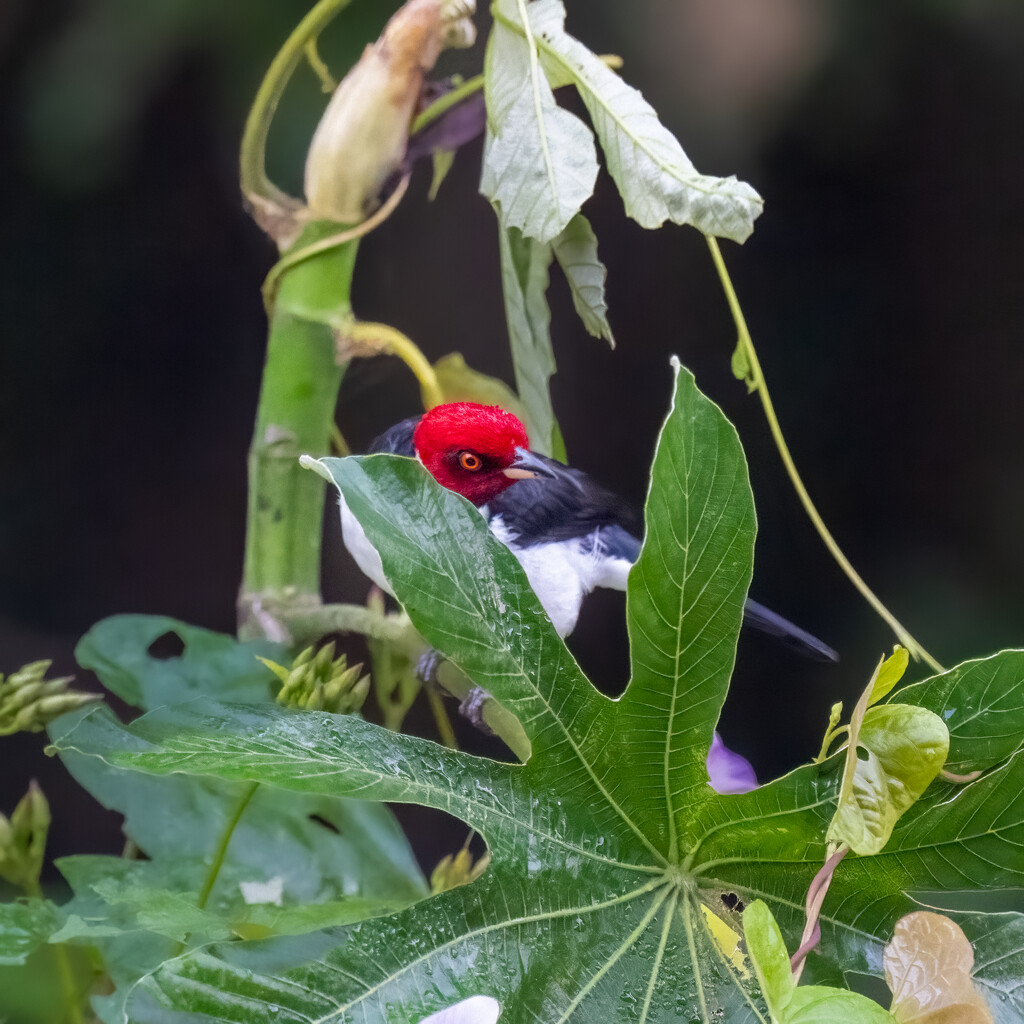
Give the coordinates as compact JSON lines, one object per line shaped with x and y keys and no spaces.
{"x":729,"y":772}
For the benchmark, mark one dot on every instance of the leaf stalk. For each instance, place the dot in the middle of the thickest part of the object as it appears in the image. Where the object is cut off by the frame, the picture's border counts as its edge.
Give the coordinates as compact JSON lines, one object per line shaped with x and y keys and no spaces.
{"x":757,"y":380}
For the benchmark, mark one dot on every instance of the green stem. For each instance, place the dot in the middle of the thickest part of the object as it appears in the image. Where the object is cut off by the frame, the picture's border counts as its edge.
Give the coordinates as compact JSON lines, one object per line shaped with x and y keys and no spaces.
{"x":827,"y":742}
{"x":757,"y":377}
{"x":252,"y":156}
{"x":307,"y":626}
{"x":442,"y":721}
{"x":320,"y":68}
{"x":295,"y":414}
{"x":72,"y":997}
{"x":222,"y":846}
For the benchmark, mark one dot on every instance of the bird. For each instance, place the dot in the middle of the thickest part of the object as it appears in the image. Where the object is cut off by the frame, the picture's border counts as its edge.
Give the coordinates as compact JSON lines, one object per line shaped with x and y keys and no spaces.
{"x":569,"y":533}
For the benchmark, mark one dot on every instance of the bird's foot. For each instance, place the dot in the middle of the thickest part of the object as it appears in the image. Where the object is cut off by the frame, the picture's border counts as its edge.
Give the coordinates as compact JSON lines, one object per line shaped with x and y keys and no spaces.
{"x":471,"y":707}
{"x":426,"y":668}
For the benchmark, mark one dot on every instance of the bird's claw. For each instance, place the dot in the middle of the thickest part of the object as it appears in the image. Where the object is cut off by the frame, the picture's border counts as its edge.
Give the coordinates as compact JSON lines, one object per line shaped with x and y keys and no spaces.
{"x":426,"y":668}
{"x":471,"y":707}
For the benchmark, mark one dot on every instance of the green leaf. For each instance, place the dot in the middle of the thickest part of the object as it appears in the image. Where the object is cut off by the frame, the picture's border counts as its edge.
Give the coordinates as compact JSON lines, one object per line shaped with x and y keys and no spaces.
{"x":461,"y":383}
{"x":656,"y":179}
{"x":211,"y":664}
{"x":24,"y":926}
{"x":330,"y":860}
{"x":811,"y":1004}
{"x":147,"y":896}
{"x":320,"y":847}
{"x":982,"y":704}
{"x":442,"y":160}
{"x":576,"y":251}
{"x":768,"y":953}
{"x":540,"y":162}
{"x":610,"y":853}
{"x":889,"y":674}
{"x":815,"y":1004}
{"x":906,"y":748}
{"x":742,"y":368}
{"x":524,"y":281}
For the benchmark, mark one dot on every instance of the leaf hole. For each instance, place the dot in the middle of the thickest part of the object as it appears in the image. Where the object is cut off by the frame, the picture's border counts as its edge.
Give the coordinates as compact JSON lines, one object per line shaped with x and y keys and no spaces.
{"x":862,"y":754}
{"x":732,"y":902}
{"x":166,"y":646}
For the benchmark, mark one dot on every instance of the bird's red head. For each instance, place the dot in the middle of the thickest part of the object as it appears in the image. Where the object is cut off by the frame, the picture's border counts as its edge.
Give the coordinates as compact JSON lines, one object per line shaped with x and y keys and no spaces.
{"x":475,"y":450}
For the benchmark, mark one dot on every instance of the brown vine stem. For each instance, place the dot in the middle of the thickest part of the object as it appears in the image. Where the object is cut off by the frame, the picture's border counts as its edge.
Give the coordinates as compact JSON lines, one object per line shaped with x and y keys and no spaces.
{"x":756,"y":376}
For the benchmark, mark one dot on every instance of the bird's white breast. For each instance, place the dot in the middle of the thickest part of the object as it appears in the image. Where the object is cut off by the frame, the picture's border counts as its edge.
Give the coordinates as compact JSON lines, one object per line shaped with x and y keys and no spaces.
{"x":563,"y":572}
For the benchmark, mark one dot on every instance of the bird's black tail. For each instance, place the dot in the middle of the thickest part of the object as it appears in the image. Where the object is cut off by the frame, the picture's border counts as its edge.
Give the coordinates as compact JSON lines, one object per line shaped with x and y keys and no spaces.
{"x":791,"y":635}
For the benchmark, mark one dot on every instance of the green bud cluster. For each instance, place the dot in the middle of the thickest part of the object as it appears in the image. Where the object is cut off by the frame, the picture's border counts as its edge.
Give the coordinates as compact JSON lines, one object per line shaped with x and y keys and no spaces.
{"x":23,"y":840}
{"x":317,"y":681}
{"x":28,"y":700}
{"x":457,"y":869}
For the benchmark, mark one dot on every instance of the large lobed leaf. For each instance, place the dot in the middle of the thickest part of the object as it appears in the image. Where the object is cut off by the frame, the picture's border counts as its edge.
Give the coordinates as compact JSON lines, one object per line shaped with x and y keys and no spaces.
{"x":612,"y":857}
{"x":295,"y":862}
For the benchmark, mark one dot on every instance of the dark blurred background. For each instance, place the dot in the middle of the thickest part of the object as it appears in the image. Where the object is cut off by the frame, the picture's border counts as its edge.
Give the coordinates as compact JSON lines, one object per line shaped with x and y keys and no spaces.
{"x":884,"y":286}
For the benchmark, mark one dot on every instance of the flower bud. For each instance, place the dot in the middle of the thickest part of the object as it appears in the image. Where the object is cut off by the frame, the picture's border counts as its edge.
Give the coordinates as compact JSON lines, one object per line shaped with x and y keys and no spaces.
{"x":317,"y":681}
{"x":453,"y":871}
{"x":362,"y":136}
{"x":28,"y":701}
{"x":23,"y":840}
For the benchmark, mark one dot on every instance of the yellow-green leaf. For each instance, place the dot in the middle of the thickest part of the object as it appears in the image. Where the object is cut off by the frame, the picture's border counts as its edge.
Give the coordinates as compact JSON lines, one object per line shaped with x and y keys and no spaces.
{"x":889,"y":674}
{"x":906,"y":748}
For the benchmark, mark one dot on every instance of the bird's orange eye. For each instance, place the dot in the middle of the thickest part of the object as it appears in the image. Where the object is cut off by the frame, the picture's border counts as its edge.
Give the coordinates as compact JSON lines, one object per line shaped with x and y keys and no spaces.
{"x":470,"y":461}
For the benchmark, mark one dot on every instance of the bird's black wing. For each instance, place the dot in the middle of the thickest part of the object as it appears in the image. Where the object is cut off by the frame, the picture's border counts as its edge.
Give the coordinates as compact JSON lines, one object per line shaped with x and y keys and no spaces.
{"x":565,"y":505}
{"x":396,"y":440}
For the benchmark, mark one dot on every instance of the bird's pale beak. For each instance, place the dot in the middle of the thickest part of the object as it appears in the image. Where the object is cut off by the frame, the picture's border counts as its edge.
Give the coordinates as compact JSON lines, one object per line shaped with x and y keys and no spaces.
{"x":527,"y":465}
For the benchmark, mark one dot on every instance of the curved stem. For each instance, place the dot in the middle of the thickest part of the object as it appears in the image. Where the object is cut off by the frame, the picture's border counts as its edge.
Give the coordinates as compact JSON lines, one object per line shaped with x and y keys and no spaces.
{"x":252,"y":164}
{"x":757,"y":378}
{"x":225,"y":840}
{"x":442,"y":721}
{"x":319,"y":66}
{"x":386,"y":339}
{"x":299,"y":255}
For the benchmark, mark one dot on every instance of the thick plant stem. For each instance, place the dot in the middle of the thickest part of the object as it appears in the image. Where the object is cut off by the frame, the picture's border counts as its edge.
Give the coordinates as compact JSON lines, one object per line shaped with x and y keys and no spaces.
{"x":296,"y":410}
{"x":756,"y":377}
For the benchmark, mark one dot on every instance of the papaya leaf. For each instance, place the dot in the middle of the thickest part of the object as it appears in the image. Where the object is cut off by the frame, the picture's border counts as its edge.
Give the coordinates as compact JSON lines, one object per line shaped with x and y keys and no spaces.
{"x":540,"y":163}
{"x":928,"y":968}
{"x":328,"y":857}
{"x":24,"y":926}
{"x":576,"y":251}
{"x":610,"y":853}
{"x":656,"y":179}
